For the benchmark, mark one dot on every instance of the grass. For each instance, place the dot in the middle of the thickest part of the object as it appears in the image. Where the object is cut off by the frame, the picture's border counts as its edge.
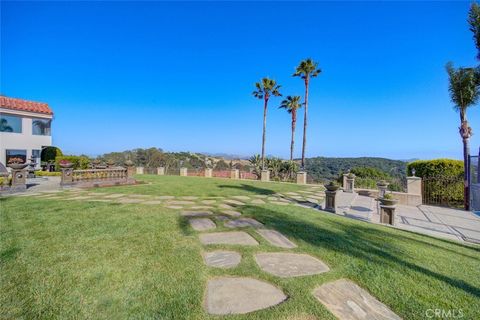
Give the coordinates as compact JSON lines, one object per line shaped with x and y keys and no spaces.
{"x":199,"y":186}
{"x":89,"y":260}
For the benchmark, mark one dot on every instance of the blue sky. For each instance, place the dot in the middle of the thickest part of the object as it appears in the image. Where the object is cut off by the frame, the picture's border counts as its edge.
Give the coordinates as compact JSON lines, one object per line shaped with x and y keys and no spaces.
{"x":179,"y":76}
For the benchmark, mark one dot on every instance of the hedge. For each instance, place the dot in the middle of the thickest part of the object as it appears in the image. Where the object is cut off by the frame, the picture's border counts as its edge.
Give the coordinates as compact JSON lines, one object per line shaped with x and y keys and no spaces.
{"x":436,"y":168}
{"x":79,"y":162}
{"x":50,"y":153}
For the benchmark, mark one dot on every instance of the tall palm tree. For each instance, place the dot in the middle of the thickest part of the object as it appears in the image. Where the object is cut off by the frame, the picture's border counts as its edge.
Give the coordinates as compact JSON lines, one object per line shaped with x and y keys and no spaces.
{"x":474,"y":22}
{"x":264,"y":90}
{"x":464,"y":92}
{"x":306,"y":69}
{"x":292,"y":104}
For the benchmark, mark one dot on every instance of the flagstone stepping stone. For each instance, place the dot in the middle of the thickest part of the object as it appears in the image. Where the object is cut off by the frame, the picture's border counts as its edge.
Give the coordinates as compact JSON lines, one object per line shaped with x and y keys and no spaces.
{"x":208,"y":201}
{"x":228,"y":295}
{"x":141,"y":196}
{"x":80,"y":198}
{"x":189,"y":198}
{"x":346,"y":300}
{"x":243,"y":222}
{"x":222,"y":259}
{"x":280,"y":203}
{"x":261,"y":196}
{"x":276,"y":239}
{"x":297,"y":197}
{"x":235,"y":202}
{"x":127,"y":200}
{"x":235,"y":237}
{"x":180,"y":202}
{"x":272,"y":198}
{"x":165,"y":197}
{"x":196,"y":213}
{"x":312,"y":200}
{"x":174,"y":207}
{"x":152,"y":202}
{"x":202,"y":224}
{"x":231,"y":213}
{"x":292,"y":193}
{"x":241,"y":198}
{"x":222,"y":218}
{"x":201,"y":207}
{"x":258,"y":201}
{"x":100,"y":200}
{"x":287,"y":265}
{"x":115,"y":195}
{"x":225,"y":206}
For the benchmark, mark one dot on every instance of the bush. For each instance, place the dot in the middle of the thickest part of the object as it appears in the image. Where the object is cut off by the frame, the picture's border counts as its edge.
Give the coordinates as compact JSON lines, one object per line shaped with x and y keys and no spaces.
{"x":436,"y":168}
{"x":47,"y":174}
{"x":50,"y":153}
{"x":79,"y":162}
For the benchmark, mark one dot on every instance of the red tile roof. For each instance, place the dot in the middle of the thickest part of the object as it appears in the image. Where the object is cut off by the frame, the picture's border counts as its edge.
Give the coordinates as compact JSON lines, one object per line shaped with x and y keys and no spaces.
{"x":24,"y":105}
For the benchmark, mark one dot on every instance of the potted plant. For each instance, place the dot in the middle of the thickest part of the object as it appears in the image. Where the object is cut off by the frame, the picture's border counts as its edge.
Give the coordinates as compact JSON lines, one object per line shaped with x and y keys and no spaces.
{"x":382,"y":183}
{"x":332,"y":186}
{"x":65,"y":164}
{"x":388,"y":200}
{"x":16,"y":163}
{"x":129,"y":163}
{"x":350,"y":176}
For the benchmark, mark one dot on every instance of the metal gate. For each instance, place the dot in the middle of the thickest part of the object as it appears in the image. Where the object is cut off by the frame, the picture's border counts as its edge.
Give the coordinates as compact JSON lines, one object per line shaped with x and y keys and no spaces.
{"x":443,"y":191}
{"x":474,"y":162}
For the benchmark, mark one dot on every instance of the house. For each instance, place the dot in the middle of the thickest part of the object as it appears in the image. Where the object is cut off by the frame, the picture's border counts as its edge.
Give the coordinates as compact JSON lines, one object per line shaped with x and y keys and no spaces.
{"x":25,"y":128}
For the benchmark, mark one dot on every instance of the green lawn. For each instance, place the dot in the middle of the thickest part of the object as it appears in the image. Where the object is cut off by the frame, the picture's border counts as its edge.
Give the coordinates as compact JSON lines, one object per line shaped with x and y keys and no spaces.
{"x":90,"y":260}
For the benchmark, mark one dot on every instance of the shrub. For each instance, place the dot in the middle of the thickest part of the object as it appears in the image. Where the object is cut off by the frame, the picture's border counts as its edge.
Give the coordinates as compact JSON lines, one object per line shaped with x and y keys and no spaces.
{"x":436,"y":168}
{"x":79,"y":162}
{"x":50,"y":153}
{"x":47,"y":174}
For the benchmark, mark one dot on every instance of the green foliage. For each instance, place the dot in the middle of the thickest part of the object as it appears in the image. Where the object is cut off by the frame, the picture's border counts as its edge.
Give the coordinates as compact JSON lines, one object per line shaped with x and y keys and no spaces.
{"x":463,"y":87}
{"x":47,"y":173}
{"x":322,"y":169}
{"x":50,"y":153}
{"x":79,"y":162}
{"x":266,"y":88}
{"x":474,"y":22}
{"x":222,"y":165}
{"x":436,"y":168}
{"x":368,"y":177}
{"x":307,"y":68}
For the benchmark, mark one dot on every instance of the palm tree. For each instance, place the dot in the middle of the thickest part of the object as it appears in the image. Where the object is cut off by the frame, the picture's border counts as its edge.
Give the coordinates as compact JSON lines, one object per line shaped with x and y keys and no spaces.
{"x":464,"y":93}
{"x":292,"y":104}
{"x":474,"y":22}
{"x":264,"y":90}
{"x":306,"y":69}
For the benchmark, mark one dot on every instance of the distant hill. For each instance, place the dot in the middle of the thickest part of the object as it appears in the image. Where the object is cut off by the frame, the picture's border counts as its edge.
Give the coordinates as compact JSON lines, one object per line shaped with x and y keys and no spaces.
{"x":322,"y":168}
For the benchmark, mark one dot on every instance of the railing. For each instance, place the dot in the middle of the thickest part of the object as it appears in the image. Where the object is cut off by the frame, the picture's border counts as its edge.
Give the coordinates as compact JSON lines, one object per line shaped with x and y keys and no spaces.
{"x":99,"y":174}
{"x":221,"y":173}
{"x":248,"y":175}
{"x":196,"y":172}
{"x":443,"y":191}
{"x":474,"y":183}
{"x":172,"y":171}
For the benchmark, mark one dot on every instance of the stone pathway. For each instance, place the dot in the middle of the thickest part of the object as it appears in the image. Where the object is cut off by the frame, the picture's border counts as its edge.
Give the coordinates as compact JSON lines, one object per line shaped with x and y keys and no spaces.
{"x":276,"y":239}
{"x":227,"y":295}
{"x":202,"y":224}
{"x":222,"y":259}
{"x":234,"y":238}
{"x":243,"y":222}
{"x":346,"y":300}
{"x":287,"y":265}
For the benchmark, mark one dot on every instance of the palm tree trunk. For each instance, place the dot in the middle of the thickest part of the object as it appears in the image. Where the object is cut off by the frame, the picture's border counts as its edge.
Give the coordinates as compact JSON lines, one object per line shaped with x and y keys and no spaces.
{"x":264,"y":131}
{"x":305,"y":123}
{"x":292,"y":144}
{"x":466,"y":167}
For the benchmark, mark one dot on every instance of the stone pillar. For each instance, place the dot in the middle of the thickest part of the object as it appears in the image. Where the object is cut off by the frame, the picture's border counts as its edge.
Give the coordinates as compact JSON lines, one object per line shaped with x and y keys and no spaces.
{"x":301,"y":177}
{"x":344,"y":182}
{"x":161,"y":171}
{"x":387,"y":214}
{"x":130,"y":172}
{"x":349,"y":183}
{"x":234,"y":174}
{"x":330,"y":203}
{"x":183,"y":172}
{"x":208,"y":172}
{"x":139,"y":170}
{"x":414,"y":185}
{"x":67,"y":177}
{"x":265,"y":175}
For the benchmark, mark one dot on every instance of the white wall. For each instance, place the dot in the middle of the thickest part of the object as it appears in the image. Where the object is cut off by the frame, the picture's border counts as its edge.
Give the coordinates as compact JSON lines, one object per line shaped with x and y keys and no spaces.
{"x":24,"y":140}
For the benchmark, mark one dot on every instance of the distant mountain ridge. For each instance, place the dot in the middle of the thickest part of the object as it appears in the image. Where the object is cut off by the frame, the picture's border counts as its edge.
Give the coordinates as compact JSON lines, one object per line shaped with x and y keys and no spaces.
{"x":331,"y":168}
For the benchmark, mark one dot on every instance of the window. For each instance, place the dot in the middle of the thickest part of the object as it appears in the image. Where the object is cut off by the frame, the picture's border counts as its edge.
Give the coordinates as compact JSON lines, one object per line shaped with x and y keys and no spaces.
{"x":22,"y":154}
{"x":41,"y":127}
{"x":9,"y":123}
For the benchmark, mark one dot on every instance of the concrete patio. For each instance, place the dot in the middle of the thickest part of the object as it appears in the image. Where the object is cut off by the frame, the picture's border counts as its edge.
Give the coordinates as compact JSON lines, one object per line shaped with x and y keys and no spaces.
{"x":441,"y":222}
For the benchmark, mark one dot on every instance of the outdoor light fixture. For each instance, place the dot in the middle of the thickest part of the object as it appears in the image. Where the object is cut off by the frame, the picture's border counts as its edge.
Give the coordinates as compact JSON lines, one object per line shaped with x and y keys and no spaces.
{"x":413,"y":172}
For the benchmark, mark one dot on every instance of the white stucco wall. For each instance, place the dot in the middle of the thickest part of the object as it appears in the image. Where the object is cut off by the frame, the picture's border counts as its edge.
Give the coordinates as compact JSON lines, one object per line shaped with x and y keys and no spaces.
{"x":24,"y":140}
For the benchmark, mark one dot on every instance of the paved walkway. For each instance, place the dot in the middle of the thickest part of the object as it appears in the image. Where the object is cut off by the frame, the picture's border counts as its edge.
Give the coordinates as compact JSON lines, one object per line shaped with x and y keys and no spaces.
{"x":436,"y":221}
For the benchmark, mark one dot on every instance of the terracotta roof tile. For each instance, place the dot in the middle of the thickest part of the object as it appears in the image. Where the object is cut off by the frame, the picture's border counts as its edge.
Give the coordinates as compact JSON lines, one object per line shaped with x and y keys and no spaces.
{"x":24,"y":105}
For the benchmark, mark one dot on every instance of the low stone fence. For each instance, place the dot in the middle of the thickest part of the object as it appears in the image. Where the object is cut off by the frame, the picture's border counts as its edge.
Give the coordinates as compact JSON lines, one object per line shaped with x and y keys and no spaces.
{"x":97,"y":177}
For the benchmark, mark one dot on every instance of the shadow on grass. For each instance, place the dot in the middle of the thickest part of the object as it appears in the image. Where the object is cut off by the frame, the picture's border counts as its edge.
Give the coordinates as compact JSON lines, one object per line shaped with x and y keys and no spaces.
{"x":249,"y":188}
{"x":357,"y":241}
